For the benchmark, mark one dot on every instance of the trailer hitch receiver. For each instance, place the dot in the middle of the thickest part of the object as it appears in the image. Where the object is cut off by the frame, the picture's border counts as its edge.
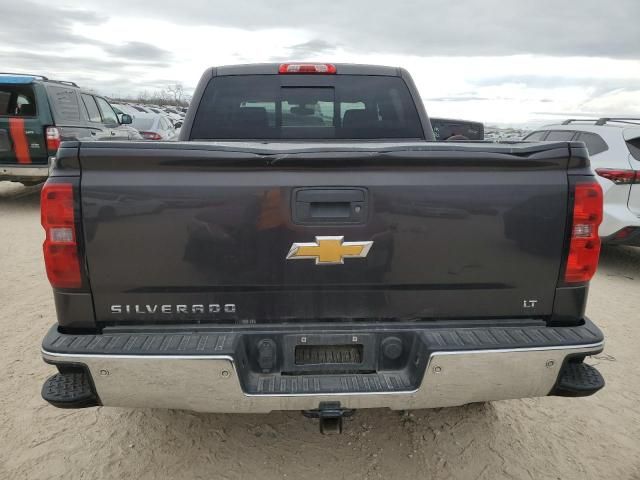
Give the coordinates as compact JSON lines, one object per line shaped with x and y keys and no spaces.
{"x":330,"y":415}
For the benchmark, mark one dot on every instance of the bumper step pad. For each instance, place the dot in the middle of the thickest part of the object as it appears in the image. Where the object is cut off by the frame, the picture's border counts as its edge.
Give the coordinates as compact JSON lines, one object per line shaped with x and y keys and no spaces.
{"x":578,"y":380}
{"x":70,"y":390}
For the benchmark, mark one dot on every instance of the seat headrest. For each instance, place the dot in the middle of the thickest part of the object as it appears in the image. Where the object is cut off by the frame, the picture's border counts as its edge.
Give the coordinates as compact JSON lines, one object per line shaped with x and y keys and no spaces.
{"x":358,"y":118}
{"x":28,"y":109}
{"x":252,"y":116}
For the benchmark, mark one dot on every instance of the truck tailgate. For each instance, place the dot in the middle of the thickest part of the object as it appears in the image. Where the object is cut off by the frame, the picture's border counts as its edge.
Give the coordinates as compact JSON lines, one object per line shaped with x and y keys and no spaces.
{"x":202,"y":233}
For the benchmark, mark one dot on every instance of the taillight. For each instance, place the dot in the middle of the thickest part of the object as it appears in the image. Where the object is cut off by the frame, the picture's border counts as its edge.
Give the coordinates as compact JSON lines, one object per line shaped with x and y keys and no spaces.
{"x":53,"y":139}
{"x":322,"y":68}
{"x":584,"y":248}
{"x":150,"y":136}
{"x":60,"y":245}
{"x":618,"y":176}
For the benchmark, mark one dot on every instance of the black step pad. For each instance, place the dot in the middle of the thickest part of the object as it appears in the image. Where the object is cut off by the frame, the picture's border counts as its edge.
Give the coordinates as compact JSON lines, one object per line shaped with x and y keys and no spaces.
{"x":578,"y":380}
{"x":70,"y":390}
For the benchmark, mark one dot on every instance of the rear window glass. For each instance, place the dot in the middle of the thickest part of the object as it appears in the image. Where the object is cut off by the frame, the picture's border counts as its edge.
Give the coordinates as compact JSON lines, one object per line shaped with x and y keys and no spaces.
{"x":311,"y":107}
{"x":143,"y":123}
{"x":535,"y":136}
{"x":634,"y":148}
{"x":560,"y":135}
{"x":594,"y":142}
{"x":17,"y":100}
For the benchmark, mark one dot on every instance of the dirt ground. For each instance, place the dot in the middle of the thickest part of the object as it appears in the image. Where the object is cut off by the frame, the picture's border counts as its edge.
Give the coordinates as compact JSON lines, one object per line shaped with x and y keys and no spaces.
{"x":545,"y":438}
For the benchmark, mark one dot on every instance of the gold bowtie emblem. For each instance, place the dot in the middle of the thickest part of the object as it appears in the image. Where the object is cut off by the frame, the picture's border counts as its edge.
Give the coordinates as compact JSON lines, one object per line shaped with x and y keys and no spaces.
{"x":329,"y":250}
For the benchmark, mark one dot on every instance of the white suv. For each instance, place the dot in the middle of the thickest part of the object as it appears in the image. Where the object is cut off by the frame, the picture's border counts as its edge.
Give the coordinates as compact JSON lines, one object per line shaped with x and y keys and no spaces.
{"x":614,"y":148}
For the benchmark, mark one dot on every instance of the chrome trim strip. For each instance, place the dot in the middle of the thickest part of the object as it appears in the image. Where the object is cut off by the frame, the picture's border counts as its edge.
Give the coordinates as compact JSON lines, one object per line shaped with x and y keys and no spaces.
{"x":450,"y":379}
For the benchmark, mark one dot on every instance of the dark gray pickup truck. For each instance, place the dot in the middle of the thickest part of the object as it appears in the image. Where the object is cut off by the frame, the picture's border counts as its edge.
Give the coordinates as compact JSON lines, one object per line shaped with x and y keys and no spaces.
{"x":307,"y":245}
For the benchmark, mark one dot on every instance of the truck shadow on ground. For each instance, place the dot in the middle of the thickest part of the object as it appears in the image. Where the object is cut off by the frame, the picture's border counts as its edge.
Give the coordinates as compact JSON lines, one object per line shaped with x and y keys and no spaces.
{"x":408,"y":427}
{"x":620,"y":262}
{"x":375,"y":443}
{"x":18,"y":194}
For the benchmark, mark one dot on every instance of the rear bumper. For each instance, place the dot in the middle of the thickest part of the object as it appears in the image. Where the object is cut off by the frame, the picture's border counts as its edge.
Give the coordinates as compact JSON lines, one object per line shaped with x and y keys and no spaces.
{"x":24,"y":172}
{"x":616,"y":217}
{"x":456,"y":366}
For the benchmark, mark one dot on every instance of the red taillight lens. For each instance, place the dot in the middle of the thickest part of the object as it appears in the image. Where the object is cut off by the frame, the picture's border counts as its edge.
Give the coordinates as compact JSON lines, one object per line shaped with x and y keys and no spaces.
{"x":322,"y":68}
{"x":584,"y":249}
{"x":60,"y":246}
{"x":53,"y":139}
{"x":619,"y":177}
{"x":150,"y":136}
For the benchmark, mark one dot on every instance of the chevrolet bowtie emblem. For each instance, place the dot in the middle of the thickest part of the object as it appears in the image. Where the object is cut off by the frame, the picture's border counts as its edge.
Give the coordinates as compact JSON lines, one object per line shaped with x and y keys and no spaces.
{"x":329,"y":250}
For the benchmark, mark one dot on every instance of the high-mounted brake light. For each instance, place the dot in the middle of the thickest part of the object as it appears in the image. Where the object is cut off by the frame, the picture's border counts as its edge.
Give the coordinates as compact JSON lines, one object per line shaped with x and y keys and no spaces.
{"x":618,"y":176}
{"x":53,"y":139}
{"x":584,"y":249}
{"x":60,"y":246}
{"x":322,"y":68}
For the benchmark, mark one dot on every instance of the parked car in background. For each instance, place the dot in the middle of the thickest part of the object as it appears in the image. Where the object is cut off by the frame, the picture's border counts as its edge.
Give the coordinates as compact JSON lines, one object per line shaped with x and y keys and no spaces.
{"x":123,"y":108}
{"x":614,"y":148}
{"x":155,"y":127}
{"x":37,"y":113}
{"x":447,"y":128}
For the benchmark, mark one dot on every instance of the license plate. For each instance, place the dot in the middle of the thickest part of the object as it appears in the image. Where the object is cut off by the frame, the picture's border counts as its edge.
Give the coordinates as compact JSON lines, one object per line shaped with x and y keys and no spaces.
{"x":328,"y":354}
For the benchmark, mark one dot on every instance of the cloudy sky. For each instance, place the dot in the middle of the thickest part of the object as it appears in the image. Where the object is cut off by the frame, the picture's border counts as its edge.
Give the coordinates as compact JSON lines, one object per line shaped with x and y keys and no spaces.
{"x":498,"y":61}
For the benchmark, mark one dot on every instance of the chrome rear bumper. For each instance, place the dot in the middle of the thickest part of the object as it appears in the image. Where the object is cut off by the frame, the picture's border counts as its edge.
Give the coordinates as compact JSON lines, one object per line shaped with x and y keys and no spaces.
{"x":24,"y":172}
{"x":210,"y":383}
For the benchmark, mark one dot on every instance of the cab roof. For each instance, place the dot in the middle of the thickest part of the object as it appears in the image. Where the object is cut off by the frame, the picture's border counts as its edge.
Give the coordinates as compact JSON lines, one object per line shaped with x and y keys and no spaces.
{"x":273,"y":69}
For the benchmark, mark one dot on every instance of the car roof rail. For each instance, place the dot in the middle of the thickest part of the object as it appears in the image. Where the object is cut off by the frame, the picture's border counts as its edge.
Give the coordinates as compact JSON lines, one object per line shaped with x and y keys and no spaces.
{"x":42,"y":77}
{"x":630,"y":120}
{"x":64,"y":82}
{"x":571,"y":120}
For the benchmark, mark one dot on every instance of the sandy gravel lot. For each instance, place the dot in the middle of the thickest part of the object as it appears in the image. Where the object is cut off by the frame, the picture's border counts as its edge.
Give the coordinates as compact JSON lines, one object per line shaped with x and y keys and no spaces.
{"x":546,"y":438}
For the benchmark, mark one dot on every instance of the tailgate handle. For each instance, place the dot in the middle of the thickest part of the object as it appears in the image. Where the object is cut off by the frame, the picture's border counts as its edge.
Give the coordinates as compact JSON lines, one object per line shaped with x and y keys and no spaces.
{"x":330,"y":205}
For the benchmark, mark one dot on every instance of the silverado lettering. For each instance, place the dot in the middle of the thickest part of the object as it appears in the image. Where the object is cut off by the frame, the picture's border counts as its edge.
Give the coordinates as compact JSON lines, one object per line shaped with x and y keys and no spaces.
{"x":170,"y":309}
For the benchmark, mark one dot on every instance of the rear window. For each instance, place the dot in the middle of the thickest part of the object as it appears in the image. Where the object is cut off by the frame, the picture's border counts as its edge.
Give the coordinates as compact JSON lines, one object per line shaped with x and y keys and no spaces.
{"x":634,"y":148}
{"x":594,"y":142}
{"x":143,"y":123}
{"x":306,"y":107}
{"x":17,"y":100}
{"x":535,"y":136}
{"x":560,"y":135}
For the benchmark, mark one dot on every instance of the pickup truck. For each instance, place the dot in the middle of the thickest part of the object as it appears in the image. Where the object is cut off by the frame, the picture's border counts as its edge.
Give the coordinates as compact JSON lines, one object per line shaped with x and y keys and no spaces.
{"x":307,"y":245}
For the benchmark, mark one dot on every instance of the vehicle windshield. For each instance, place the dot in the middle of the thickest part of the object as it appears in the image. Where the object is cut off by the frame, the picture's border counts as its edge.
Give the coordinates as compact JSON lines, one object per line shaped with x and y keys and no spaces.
{"x":322,"y":107}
